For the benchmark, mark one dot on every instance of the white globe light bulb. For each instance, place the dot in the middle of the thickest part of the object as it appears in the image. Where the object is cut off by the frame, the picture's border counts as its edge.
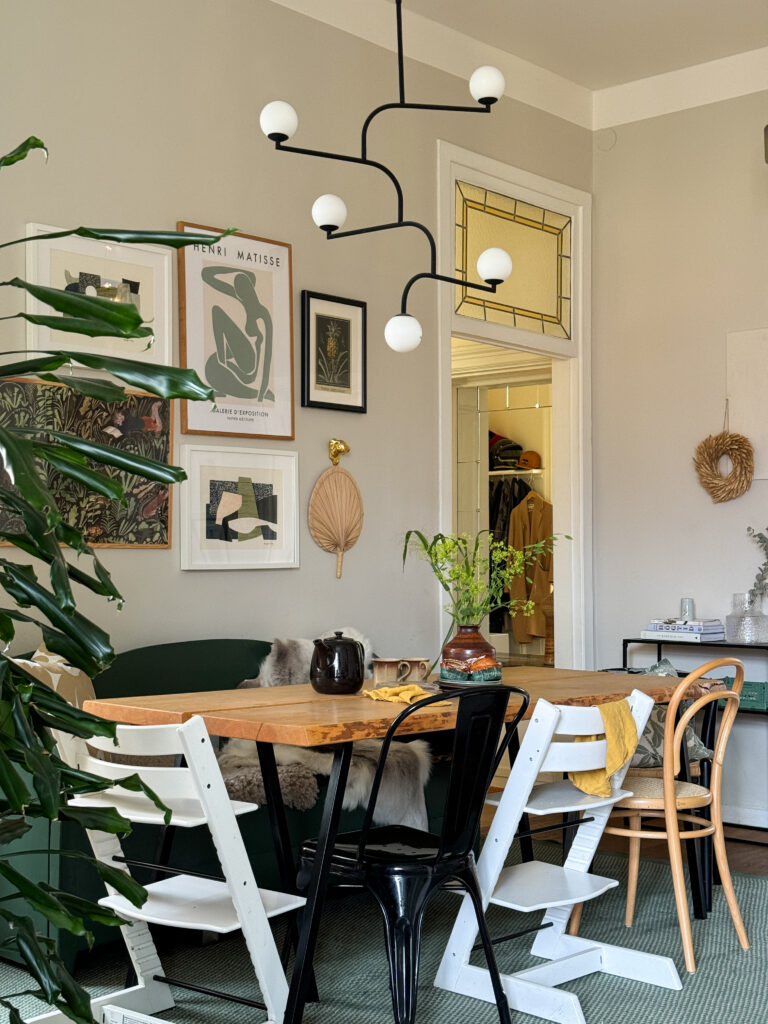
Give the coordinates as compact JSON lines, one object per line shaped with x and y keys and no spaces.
{"x":487,"y":84}
{"x":329,"y":212}
{"x":494,"y":265}
{"x":279,"y":121}
{"x":403,"y":333}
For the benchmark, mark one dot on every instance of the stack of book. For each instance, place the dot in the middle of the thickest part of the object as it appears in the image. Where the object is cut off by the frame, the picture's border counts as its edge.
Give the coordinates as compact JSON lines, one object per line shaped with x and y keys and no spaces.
{"x":692,"y":631}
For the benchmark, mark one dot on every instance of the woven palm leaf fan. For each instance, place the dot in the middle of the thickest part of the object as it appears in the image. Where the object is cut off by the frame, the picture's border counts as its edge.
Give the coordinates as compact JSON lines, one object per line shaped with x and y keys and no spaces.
{"x":335,"y":513}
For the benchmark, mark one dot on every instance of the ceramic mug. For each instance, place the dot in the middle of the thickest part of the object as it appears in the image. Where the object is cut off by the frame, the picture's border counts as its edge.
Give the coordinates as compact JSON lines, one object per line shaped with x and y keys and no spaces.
{"x":390,"y":671}
{"x":417,"y":669}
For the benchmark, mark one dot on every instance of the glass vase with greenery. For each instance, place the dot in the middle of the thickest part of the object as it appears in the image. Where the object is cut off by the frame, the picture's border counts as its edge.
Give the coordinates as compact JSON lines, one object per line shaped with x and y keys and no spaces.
{"x":35,"y":783}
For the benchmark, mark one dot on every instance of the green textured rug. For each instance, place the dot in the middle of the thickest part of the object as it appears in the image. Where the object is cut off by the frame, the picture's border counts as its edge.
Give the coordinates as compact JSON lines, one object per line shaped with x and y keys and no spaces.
{"x":730,"y":986}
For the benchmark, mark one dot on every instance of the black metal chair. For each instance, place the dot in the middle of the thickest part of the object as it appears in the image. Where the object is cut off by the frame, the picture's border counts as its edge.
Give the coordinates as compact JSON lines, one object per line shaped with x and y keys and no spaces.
{"x":403,"y":867}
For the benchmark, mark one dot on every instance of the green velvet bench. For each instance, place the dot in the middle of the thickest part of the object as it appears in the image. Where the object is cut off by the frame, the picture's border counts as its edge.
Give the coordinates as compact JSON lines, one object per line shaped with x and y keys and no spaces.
{"x":181,"y":667}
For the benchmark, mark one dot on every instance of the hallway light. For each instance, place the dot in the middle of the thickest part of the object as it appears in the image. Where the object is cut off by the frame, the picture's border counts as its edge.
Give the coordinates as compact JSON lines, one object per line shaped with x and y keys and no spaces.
{"x":279,"y":122}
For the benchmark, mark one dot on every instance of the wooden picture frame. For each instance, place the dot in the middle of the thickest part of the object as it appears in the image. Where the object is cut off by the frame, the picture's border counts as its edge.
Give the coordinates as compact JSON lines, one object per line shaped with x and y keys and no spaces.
{"x":333,"y":352}
{"x":239,"y":508}
{"x":141,"y":424}
{"x":140,"y":274}
{"x":236,"y":331}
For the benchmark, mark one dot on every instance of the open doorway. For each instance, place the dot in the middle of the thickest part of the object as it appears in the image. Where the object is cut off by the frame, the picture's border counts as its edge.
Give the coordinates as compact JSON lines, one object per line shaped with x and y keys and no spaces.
{"x":546,"y":227}
{"x":502,"y":442}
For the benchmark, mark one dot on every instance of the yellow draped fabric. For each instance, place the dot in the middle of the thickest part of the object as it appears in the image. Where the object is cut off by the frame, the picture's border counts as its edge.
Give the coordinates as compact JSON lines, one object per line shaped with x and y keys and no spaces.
{"x":621,"y":740}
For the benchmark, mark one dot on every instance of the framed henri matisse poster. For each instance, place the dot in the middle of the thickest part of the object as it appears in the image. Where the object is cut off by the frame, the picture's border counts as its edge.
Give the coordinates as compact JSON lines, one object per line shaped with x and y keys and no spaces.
{"x":138,"y":274}
{"x":239,"y":508}
{"x":236,"y":331}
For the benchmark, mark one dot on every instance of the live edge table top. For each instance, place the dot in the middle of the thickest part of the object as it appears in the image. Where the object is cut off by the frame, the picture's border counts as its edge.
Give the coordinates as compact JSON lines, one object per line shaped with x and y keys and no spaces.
{"x":300,"y":716}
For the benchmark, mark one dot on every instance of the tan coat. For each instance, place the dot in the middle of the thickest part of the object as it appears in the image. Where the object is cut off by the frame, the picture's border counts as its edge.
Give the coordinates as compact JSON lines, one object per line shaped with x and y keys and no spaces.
{"x":529,"y":522}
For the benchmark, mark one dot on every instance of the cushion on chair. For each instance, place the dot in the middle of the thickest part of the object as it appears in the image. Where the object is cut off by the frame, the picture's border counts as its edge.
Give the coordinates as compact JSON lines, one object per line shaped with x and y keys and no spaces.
{"x":650,"y":746}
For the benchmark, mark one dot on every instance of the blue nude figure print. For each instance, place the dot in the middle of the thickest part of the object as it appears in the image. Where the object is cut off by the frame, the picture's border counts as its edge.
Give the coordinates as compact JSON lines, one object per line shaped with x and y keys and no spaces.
{"x":241,"y":364}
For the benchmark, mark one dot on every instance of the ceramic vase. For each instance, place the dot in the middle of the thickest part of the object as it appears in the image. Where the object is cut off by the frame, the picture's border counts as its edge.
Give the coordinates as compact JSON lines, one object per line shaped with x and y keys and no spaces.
{"x":468,"y":655}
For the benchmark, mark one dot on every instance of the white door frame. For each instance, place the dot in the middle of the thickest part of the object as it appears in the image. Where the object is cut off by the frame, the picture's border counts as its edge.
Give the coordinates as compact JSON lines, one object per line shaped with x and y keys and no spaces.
{"x":571,"y":394}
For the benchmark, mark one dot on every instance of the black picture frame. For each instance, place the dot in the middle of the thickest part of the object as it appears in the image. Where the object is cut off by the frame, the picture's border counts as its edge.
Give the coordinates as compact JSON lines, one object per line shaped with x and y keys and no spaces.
{"x":333,"y":352}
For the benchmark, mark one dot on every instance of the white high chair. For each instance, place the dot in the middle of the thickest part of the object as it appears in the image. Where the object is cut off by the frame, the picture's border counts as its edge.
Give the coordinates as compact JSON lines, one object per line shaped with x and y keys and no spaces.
{"x":537,"y":885}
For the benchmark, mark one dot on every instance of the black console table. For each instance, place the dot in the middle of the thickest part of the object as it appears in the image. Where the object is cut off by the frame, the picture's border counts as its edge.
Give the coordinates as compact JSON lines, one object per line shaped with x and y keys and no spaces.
{"x":722,"y":645}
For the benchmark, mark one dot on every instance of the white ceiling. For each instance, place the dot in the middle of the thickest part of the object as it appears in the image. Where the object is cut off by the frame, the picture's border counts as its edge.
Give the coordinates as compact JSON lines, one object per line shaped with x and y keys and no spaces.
{"x":602,"y":43}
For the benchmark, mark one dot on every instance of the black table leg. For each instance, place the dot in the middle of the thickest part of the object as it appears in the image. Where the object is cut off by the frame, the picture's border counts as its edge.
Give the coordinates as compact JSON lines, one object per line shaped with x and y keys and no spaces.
{"x":282,"y":842}
{"x":310,"y":916}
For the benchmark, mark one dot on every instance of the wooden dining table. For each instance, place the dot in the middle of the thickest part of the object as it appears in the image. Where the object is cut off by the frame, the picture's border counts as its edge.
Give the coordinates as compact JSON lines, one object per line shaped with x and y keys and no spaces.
{"x":300,"y":716}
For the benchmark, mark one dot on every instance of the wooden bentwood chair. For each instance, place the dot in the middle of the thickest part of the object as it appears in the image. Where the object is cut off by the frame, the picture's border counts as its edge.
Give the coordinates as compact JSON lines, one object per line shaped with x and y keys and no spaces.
{"x":676,"y":803}
{"x":403,"y":867}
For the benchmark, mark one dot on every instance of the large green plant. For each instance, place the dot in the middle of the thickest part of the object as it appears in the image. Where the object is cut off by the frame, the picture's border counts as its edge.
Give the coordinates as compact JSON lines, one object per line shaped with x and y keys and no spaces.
{"x":34,"y":782}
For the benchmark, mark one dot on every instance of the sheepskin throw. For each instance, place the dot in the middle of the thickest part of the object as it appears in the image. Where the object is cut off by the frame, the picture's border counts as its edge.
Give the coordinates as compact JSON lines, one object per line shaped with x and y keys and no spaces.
{"x":401,"y":796}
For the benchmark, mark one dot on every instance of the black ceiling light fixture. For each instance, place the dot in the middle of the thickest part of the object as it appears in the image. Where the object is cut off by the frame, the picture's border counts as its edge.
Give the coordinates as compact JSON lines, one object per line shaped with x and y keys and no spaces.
{"x":279,"y":122}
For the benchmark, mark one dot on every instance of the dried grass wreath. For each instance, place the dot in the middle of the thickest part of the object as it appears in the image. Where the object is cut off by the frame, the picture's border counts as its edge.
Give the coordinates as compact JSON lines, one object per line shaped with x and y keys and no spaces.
{"x":706,"y":461}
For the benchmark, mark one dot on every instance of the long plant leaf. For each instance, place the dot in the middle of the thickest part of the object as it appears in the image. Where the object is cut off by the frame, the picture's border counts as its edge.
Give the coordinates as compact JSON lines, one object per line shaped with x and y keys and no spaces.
{"x":22,"y":150}
{"x":123,"y":316}
{"x":28,"y":544}
{"x":78,"y":325}
{"x":18,"y":458}
{"x":103,"y":390}
{"x":38,"y":899}
{"x":12,"y":785}
{"x":26,"y":591}
{"x":74,"y":465}
{"x":100,"y":819}
{"x":46,"y":780}
{"x":166,"y":381}
{"x":85,"y":651}
{"x":173,"y":239}
{"x":35,"y":956}
{"x":127,"y":461}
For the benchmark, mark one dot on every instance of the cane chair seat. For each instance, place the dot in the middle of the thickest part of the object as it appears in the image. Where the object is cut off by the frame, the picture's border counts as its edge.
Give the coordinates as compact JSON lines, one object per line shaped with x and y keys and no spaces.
{"x":649,"y":793}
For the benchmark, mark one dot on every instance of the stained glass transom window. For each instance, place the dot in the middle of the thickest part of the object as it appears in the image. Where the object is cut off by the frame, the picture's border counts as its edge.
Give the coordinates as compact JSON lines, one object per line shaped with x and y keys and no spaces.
{"x":537,"y":296}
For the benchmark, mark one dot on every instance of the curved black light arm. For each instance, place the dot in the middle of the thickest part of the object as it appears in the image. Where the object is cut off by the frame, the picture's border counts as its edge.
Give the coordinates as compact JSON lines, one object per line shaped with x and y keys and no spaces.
{"x":387,"y":227}
{"x":442,"y":277}
{"x":482,"y":109}
{"x":352,"y":160}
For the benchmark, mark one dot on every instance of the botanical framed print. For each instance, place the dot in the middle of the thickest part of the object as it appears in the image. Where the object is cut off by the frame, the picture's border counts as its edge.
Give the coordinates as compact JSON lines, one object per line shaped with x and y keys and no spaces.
{"x":140,"y":424}
{"x":139,"y":274}
{"x":236,"y":331}
{"x":332,"y":352}
{"x":239,"y":508}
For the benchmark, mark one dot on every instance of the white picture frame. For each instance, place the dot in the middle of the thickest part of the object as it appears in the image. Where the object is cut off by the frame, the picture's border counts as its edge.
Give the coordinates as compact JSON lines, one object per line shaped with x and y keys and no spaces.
{"x":143,"y":272}
{"x":239,"y":508}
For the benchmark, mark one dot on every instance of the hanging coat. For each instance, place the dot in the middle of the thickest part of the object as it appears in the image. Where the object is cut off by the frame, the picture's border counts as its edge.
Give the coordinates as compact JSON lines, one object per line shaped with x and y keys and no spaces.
{"x":527,"y":525}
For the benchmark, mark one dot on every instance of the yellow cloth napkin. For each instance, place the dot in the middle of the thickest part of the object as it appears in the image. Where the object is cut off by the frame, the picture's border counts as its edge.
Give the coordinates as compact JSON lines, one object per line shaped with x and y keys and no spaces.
{"x":402,"y":694}
{"x":621,"y":740}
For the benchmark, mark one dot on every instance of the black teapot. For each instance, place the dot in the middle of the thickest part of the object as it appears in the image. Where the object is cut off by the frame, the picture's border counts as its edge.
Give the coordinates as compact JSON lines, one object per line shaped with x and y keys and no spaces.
{"x":337,"y":665}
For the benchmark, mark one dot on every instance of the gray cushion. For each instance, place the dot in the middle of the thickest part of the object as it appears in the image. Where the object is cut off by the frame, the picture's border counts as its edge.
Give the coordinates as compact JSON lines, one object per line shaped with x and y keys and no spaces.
{"x":650,"y":748}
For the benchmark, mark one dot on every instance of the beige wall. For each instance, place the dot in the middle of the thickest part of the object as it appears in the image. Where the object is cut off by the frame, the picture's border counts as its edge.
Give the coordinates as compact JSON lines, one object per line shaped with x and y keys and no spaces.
{"x":151,"y":116}
{"x":681,"y":258}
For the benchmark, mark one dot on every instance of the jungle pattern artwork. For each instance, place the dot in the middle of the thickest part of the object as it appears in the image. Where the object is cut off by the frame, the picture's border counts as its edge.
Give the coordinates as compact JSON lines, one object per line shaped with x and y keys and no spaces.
{"x":140,"y":424}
